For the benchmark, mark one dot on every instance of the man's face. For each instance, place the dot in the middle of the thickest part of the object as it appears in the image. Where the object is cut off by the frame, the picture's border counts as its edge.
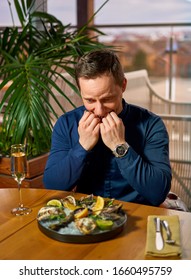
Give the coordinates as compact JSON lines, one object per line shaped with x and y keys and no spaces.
{"x":102,"y":95}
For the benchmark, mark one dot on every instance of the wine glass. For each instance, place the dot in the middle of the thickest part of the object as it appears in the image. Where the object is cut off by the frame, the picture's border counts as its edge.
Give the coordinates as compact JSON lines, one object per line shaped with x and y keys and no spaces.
{"x":18,"y":171}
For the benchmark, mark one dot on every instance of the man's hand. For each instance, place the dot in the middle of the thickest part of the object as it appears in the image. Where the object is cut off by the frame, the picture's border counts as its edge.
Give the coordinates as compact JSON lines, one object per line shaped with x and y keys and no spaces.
{"x":89,"y":130}
{"x":112,"y":131}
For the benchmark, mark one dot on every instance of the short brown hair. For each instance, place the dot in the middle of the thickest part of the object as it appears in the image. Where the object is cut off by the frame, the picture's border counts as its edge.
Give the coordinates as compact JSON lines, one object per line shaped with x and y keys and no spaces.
{"x":99,"y":62}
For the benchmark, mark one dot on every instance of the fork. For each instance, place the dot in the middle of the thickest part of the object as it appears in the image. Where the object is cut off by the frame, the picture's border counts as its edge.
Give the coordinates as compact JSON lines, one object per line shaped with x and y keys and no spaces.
{"x":169,"y":240}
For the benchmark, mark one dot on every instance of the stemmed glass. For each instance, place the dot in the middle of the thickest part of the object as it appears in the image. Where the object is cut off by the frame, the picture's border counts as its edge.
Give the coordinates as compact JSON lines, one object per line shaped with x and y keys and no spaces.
{"x":18,"y":171}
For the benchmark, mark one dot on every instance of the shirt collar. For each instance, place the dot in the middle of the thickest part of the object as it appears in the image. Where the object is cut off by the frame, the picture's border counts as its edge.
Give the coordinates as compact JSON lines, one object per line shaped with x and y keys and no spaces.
{"x":123,"y":113}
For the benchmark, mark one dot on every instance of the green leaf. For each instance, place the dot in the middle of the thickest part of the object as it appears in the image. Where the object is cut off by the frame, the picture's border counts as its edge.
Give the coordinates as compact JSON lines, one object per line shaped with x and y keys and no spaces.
{"x":20,"y":11}
{"x":31,"y":62}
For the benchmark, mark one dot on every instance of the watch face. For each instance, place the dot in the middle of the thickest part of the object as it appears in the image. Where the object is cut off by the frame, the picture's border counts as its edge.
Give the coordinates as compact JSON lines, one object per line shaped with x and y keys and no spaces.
{"x":120,"y":150}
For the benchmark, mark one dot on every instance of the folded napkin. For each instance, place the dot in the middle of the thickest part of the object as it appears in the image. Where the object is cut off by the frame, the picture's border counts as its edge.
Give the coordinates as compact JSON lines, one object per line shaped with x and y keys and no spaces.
{"x":168,"y":250}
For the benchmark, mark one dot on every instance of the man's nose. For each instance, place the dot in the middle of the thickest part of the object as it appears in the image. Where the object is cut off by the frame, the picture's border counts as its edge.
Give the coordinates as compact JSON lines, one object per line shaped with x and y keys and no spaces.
{"x":99,"y":110}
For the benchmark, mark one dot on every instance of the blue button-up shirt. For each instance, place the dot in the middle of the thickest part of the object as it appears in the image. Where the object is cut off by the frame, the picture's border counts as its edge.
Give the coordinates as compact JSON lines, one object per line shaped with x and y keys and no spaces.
{"x":143,"y":175}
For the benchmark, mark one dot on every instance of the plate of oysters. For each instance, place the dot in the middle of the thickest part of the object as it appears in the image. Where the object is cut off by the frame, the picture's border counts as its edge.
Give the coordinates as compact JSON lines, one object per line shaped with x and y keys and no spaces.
{"x":85,"y":220}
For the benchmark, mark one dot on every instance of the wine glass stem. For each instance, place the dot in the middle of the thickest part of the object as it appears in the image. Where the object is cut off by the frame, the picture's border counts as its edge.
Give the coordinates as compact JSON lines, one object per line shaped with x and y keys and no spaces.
{"x":20,"y":196}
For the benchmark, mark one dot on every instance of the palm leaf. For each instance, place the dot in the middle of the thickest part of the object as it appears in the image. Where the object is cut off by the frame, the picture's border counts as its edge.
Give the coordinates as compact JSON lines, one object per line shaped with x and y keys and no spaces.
{"x":32,"y":61}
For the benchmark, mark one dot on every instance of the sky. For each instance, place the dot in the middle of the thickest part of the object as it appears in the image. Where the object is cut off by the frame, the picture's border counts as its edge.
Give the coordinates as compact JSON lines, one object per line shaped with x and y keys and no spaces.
{"x":116,"y":11}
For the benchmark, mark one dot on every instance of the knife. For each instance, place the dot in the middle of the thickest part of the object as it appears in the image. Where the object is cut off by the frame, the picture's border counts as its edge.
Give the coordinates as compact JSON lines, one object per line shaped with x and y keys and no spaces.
{"x":159,"y":240}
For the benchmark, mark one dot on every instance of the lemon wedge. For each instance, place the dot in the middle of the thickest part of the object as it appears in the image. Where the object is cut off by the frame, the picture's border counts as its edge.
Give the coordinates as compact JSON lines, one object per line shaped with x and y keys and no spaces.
{"x":81,"y":214}
{"x":54,"y":202}
{"x":70,"y":206}
{"x":99,"y":205}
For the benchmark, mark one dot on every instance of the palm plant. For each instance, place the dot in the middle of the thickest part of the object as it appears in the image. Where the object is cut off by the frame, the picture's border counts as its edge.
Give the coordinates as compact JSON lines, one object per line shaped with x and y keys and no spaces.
{"x":32,"y":60}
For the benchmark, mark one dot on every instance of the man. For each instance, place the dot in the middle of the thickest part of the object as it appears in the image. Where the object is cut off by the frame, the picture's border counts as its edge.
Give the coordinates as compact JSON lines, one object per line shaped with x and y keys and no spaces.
{"x":108,"y":147}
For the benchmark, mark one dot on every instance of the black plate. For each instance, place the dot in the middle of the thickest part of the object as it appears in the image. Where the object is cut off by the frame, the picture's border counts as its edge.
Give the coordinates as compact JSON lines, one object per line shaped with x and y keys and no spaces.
{"x":88,"y":238}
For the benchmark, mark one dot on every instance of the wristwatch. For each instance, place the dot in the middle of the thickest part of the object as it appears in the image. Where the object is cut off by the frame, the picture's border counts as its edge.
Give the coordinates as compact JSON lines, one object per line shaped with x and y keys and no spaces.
{"x":121,"y":150}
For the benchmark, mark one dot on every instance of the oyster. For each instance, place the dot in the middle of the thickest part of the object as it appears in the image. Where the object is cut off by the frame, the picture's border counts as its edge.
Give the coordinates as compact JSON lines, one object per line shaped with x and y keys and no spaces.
{"x":112,"y":209}
{"x":63,"y":222}
{"x":112,"y":212}
{"x":69,"y":199}
{"x":85,"y":225}
{"x":86,"y":201}
{"x":110,"y":216}
{"x":50,"y":212}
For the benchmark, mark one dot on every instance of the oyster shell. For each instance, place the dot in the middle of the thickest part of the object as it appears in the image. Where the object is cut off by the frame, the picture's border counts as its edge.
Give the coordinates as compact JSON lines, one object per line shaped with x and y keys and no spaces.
{"x":110,"y":216}
{"x":112,"y":209}
{"x":87,"y":201}
{"x":46,"y":212}
{"x":69,"y":199}
{"x":85,"y":225}
{"x":63,"y":222}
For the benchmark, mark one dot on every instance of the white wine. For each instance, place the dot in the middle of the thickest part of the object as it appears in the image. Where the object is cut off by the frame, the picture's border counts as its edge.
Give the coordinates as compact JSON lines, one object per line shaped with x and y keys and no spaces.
{"x":18,"y":171}
{"x":18,"y":166}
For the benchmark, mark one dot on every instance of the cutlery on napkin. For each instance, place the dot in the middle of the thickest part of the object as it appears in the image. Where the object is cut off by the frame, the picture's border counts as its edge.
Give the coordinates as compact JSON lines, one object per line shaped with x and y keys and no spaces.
{"x":168,"y":250}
